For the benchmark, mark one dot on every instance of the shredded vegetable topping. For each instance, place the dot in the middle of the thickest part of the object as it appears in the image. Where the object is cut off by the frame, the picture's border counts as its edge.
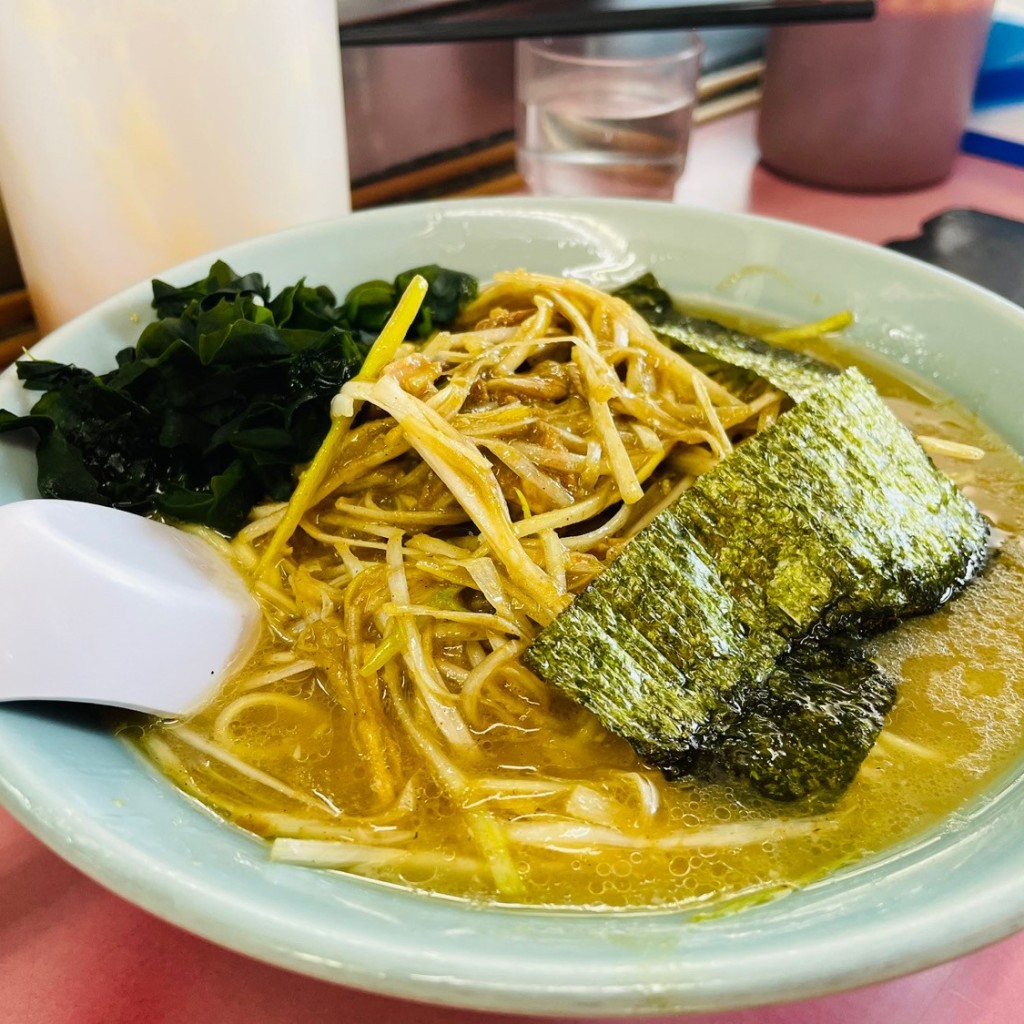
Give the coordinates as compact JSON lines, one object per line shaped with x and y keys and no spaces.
{"x":495,"y":471}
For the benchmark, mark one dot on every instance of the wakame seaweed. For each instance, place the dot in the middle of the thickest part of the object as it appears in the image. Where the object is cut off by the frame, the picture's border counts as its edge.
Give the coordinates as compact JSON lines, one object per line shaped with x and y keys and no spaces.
{"x":833,"y":521}
{"x":224,"y":394}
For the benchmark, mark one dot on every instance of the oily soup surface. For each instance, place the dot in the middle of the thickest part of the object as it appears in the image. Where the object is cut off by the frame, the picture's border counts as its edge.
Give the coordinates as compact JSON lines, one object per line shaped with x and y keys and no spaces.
{"x":640,"y":841}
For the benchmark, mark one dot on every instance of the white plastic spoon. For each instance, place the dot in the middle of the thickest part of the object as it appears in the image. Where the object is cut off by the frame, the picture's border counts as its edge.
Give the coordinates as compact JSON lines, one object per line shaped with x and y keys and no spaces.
{"x":106,"y":607}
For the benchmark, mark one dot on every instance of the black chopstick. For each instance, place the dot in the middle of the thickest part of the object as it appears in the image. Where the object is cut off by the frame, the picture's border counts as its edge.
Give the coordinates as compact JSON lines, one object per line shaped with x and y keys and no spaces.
{"x":585,"y":19}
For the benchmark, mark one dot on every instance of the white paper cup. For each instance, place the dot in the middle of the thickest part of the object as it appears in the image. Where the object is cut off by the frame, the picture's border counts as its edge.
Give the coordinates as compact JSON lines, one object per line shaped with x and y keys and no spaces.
{"x":136,"y":135}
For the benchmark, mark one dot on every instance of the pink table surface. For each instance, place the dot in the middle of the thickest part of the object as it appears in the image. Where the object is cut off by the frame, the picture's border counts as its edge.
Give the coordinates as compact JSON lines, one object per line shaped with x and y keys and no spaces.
{"x":72,"y":953}
{"x":723,"y":173}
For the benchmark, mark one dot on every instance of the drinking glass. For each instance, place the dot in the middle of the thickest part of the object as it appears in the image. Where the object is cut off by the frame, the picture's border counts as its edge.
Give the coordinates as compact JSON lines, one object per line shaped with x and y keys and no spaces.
{"x":606,"y":114}
{"x":136,"y":135}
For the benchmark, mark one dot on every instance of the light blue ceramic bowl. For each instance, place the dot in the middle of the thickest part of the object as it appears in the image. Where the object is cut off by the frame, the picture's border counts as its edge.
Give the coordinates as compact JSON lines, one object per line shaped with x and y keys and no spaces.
{"x":88,"y":797}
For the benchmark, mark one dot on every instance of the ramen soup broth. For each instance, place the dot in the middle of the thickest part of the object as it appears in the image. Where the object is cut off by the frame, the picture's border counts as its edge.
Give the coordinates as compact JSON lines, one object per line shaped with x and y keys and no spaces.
{"x":565,"y":809}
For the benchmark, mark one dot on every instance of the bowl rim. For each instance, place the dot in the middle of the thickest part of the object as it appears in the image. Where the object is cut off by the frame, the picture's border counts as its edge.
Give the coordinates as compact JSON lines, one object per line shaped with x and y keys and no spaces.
{"x":993,"y":907}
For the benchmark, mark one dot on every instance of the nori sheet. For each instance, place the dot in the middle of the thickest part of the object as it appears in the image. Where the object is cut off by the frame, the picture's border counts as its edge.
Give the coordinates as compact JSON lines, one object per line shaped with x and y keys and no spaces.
{"x":833,"y":521}
{"x":834,"y":518}
{"x":652,"y":647}
{"x":803,"y":732}
{"x":793,"y":373}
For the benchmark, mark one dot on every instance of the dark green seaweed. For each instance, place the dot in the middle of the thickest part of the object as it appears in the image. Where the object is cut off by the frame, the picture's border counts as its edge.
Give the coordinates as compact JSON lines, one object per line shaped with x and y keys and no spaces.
{"x":804,"y":731}
{"x":223,"y":396}
{"x":793,"y":373}
{"x":653,"y":648}
{"x":831,"y":522}
{"x":834,"y":518}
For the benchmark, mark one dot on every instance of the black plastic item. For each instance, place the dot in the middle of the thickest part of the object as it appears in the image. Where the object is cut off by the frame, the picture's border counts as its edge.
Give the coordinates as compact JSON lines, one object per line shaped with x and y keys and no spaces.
{"x":511,"y":19}
{"x":984,"y":248}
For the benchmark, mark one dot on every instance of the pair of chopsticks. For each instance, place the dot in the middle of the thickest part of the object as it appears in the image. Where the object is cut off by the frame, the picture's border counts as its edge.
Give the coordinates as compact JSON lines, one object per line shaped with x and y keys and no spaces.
{"x":473,"y":22}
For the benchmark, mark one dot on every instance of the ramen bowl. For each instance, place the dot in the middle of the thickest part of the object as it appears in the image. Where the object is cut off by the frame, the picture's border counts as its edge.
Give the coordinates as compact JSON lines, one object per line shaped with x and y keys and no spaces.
{"x":945,"y":892}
